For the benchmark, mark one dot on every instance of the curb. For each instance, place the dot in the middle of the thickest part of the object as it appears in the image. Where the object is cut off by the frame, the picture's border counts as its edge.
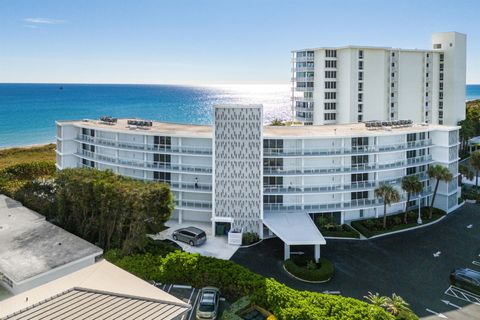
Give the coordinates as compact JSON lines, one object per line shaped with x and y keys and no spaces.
{"x":409,"y":229}
{"x":342,"y":238}
{"x":299,"y":279}
{"x":251,"y":245}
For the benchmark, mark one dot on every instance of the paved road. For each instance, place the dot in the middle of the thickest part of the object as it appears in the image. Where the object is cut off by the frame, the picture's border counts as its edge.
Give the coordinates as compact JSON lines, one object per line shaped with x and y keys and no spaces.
{"x":403,"y":263}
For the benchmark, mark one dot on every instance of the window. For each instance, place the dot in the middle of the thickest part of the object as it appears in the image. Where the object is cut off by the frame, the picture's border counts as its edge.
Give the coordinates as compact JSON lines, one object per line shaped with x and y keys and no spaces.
{"x":330,"y":74}
{"x":331,"y":53}
{"x":393,"y":74}
{"x":272,"y":199}
{"x":441,"y":76}
{"x":428,"y":65}
{"x":437,"y":46}
{"x":360,"y":108}
{"x":360,"y":86}
{"x":393,"y":54}
{"x":440,"y":95}
{"x":330,"y":95}
{"x":411,"y":154}
{"x":360,"y":118}
{"x":273,"y":163}
{"x":392,"y":95}
{"x":411,"y":170}
{"x":393,"y":85}
{"x":359,"y":141}
{"x":421,"y":136}
{"x":392,"y":105}
{"x":428,"y":56}
{"x":162,"y":176}
{"x":442,"y":57}
{"x":360,"y":76}
{"x":330,"y":63}
{"x":359,"y":195}
{"x":393,"y":64}
{"x":330,"y":85}
{"x":330,"y":116}
{"x":358,"y":177}
{"x":273,"y":144}
{"x":392,"y":115}
{"x":162,"y":158}
{"x":360,"y":97}
{"x":411,"y":137}
{"x":360,"y":65}
{"x":427,"y":74}
{"x":360,"y":54}
{"x":441,"y":85}
{"x":330,"y":105}
{"x":361,"y":213}
{"x":273,"y":181}
{"x":441,"y":67}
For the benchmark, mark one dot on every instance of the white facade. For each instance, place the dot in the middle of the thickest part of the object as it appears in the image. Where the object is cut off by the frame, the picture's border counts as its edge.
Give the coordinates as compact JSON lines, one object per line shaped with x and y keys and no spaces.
{"x":308,"y":169}
{"x":356,"y":84}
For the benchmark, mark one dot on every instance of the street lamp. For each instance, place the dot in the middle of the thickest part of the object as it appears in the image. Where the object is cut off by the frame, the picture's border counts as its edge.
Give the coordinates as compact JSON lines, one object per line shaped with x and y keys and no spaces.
{"x":419,"y":220}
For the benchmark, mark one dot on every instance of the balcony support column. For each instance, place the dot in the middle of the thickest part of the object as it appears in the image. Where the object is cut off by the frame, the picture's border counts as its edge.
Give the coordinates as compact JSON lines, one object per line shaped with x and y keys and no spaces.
{"x":286,"y":251}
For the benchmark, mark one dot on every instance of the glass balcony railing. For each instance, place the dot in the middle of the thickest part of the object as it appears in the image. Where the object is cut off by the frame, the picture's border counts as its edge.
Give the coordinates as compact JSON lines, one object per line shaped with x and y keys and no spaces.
{"x":144,"y":147}
{"x":336,"y":206}
{"x":277,"y":170}
{"x":350,"y":150}
{"x":144,"y":164}
{"x":193,"y":204}
{"x":347,"y":187}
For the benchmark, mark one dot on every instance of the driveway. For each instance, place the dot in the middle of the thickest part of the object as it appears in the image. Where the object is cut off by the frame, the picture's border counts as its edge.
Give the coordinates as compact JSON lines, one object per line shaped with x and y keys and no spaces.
{"x":217,"y":247}
{"x":403,"y":263}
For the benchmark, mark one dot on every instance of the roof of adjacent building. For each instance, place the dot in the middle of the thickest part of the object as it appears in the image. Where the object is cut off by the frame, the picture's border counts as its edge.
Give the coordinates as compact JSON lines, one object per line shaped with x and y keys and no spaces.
{"x":296,"y":131}
{"x":99,"y":291}
{"x":31,"y":246}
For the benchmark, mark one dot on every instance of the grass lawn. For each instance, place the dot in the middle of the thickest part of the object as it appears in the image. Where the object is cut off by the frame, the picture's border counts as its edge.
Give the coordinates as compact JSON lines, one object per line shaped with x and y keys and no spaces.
{"x":13,"y":156}
{"x":373,"y":227}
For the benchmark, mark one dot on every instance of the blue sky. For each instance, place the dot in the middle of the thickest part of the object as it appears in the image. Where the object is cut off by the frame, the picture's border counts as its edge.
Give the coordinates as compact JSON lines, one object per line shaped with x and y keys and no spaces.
{"x":208,"y":41}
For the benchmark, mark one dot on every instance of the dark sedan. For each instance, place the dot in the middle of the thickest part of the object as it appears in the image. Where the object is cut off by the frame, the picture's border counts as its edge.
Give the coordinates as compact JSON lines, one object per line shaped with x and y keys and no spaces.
{"x":466,"y":279}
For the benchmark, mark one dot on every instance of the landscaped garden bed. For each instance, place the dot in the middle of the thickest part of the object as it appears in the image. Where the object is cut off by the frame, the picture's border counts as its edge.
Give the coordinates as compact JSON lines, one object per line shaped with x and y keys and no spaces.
{"x":374,"y":227}
{"x":304,"y":268}
{"x":329,"y":228}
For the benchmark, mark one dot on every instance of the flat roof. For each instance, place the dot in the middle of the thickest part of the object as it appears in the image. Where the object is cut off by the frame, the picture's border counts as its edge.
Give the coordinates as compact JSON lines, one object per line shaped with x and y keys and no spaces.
{"x":296,"y":131}
{"x":294,"y":228}
{"x":369,"y":48}
{"x":99,"y":291}
{"x":30,"y":246}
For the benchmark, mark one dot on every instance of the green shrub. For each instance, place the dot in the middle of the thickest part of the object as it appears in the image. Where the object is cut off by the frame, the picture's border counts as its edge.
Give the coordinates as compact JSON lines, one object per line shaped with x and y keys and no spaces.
{"x":236,"y":281}
{"x":249,"y":238}
{"x":312,"y":271}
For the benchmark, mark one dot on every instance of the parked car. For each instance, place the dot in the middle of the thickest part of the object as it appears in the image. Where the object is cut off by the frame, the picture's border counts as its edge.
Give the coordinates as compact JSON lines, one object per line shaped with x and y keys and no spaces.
{"x":467,"y":279}
{"x":208,"y":303}
{"x":191,"y":235}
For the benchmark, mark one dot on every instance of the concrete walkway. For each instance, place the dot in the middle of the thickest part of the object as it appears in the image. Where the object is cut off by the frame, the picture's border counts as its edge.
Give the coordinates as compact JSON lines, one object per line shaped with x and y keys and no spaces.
{"x":217,"y":247}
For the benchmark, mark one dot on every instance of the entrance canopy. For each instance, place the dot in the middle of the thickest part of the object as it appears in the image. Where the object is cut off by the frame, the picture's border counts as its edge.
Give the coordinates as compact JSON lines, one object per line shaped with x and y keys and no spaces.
{"x":294,"y":228}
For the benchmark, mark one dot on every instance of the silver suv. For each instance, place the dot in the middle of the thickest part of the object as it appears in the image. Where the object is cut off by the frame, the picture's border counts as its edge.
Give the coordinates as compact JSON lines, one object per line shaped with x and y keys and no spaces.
{"x":208,"y":304}
{"x":191,"y":235}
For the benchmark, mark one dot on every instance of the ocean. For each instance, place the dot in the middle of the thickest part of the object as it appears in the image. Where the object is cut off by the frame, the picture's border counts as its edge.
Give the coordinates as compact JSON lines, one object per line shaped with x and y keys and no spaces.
{"x":28,"y":111}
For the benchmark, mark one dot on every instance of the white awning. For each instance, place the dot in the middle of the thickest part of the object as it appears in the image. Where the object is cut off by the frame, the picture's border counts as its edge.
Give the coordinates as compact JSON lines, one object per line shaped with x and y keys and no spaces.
{"x":294,"y":228}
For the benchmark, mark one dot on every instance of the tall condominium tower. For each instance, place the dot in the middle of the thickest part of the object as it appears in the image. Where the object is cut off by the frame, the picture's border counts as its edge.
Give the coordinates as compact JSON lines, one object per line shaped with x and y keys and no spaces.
{"x":356,"y":84}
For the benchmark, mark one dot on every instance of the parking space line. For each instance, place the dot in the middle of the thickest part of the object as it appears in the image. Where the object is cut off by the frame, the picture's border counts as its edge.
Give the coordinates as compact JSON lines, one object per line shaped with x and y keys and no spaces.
{"x":440,"y":315}
{"x":462,"y":295}
{"x":193,"y":306}
{"x":169,"y":288}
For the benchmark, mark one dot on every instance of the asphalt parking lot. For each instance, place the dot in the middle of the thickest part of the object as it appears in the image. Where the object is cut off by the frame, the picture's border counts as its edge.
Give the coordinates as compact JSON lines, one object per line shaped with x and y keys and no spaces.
{"x":414,"y":264}
{"x":189,"y":295}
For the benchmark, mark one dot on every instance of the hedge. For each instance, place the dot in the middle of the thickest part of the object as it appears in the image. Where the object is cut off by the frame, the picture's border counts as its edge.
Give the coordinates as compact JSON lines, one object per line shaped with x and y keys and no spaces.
{"x":373,"y":227}
{"x":236,"y":281}
{"x":323,"y":273}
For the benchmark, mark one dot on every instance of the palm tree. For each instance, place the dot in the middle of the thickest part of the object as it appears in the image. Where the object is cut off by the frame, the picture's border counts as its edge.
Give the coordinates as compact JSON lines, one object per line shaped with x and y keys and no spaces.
{"x":389,"y":195}
{"x":396,"y":304}
{"x":475,"y":162}
{"x":376,"y":299}
{"x":277,"y":122}
{"x":439,"y":173}
{"x":410,"y":184}
{"x":466,"y":171}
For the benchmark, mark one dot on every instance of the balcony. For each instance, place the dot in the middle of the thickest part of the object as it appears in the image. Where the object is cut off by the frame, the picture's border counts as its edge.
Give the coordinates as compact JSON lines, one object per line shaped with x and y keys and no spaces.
{"x":346,"y":151}
{"x":143,"y":147}
{"x":153,"y":166}
{"x":275,"y":171}
{"x":304,"y":89}
{"x":347,"y":187}
{"x":309,"y":58}
{"x":194,"y":205}
{"x":303,"y":79}
{"x":303,"y":69}
{"x":337,"y":206}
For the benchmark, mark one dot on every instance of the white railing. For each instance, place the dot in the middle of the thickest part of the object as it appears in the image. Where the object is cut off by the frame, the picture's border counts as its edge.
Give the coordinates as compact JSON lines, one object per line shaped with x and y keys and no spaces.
{"x":352,"y":204}
{"x":144,"y":164}
{"x":276,"y":189}
{"x":279,"y":170}
{"x":340,"y":150}
{"x":142,"y":146}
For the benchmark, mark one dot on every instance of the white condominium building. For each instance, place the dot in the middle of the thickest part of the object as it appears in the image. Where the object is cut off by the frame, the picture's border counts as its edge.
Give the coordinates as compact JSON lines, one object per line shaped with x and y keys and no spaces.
{"x":267,"y":179}
{"x":356,"y":84}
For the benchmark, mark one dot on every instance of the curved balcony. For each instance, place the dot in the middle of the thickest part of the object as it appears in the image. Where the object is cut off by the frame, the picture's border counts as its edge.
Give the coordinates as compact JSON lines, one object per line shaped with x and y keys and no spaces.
{"x":304,"y":58}
{"x":347,"y":187}
{"x":303,"y":69}
{"x":124,"y":145}
{"x":303,"y":79}
{"x":304,"y":89}
{"x":332,"y":151}
{"x":281,"y":171}
{"x":338,"y":206}
{"x":151,"y":166}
